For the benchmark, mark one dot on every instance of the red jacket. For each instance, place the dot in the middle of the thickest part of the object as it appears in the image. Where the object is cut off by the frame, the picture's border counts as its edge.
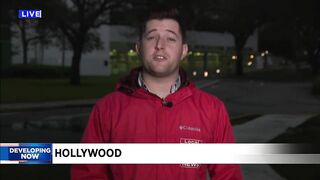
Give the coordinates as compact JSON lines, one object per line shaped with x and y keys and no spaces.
{"x":133,"y":115}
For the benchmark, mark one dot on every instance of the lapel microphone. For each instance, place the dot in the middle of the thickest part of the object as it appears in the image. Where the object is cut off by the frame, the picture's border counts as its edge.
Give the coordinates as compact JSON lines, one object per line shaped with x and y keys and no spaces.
{"x":167,"y":104}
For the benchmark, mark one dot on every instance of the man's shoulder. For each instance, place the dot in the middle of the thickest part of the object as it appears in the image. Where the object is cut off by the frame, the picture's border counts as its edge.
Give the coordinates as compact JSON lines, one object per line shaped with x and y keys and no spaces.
{"x":111,"y":98}
{"x":207,"y":98}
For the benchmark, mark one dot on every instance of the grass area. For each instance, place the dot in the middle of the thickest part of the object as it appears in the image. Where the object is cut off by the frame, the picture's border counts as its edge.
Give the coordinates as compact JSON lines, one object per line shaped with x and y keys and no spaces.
{"x":308,"y":132}
{"x":15,"y":90}
{"x":316,"y":86}
{"x":243,"y":119}
{"x":38,"y":71}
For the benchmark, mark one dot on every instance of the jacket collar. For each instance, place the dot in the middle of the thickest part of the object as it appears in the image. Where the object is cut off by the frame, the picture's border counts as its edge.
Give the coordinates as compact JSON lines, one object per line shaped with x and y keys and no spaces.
{"x":173,"y":87}
{"x":130,"y":83}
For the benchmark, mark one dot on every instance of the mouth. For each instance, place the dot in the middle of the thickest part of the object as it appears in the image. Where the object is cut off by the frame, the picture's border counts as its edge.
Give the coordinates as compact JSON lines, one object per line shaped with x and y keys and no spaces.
{"x":159,"y":57}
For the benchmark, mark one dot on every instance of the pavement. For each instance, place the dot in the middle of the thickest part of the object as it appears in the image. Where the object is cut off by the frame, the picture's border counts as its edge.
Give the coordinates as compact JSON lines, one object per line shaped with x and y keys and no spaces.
{"x":283,"y":105}
{"x":267,"y":127}
{"x":247,"y":97}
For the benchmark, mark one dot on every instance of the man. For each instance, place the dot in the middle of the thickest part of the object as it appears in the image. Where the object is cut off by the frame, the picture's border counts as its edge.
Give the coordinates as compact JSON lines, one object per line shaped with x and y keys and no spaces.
{"x":157,"y":104}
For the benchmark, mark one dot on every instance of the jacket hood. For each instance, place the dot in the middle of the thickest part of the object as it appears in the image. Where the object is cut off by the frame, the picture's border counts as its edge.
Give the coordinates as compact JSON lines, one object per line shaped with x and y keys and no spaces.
{"x":129,"y":84}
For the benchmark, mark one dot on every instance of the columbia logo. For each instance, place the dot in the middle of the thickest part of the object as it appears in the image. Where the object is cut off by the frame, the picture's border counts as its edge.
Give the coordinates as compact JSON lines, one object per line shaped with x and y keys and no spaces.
{"x":189,"y":165}
{"x":188,"y":128}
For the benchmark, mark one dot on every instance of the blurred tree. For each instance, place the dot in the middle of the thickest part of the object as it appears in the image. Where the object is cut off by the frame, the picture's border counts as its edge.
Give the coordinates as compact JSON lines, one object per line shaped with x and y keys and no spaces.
{"x":78,"y":21}
{"x":305,"y":20}
{"x":294,"y":32}
{"x":5,"y":38}
{"x":27,"y":35}
{"x":241,"y":19}
{"x":29,"y":30}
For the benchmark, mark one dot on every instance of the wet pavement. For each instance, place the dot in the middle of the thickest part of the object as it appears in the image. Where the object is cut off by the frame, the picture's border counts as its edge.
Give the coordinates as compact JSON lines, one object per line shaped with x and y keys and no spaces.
{"x":55,"y":125}
{"x":256,"y":97}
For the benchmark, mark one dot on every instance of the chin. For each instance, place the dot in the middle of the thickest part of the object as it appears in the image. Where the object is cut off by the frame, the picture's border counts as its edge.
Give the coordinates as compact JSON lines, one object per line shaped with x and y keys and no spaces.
{"x":158,"y":73}
{"x":161,"y":70}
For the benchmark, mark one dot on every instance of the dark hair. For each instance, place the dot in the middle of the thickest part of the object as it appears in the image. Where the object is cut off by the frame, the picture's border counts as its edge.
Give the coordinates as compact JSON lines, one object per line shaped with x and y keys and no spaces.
{"x":160,"y":14}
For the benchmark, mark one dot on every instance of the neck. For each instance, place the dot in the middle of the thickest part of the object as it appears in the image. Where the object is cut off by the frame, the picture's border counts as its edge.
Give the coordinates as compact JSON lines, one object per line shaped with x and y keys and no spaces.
{"x":159,"y":85}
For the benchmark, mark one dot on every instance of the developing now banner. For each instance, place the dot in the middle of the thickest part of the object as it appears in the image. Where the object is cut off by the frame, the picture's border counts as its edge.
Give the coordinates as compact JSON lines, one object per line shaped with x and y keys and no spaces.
{"x":88,"y":153}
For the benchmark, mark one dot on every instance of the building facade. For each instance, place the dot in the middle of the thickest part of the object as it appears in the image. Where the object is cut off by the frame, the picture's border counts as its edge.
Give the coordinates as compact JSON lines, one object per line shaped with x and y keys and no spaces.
{"x":208,"y":51}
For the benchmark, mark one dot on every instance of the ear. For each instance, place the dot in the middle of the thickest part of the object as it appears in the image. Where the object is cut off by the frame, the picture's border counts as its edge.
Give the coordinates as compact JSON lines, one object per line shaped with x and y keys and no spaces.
{"x":137,"y":46}
{"x":184,"y":50}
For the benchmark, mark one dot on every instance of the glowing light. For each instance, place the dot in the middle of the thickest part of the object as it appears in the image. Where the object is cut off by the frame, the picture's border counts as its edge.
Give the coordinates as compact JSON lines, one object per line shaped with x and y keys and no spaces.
{"x":190,"y":53}
{"x":131,"y":52}
{"x":251,"y":56}
{"x":218,"y":71}
{"x":205,"y":73}
{"x":263,"y":54}
{"x":249,"y":63}
{"x":113,"y":52}
{"x":197,"y":54}
{"x":234,"y":57}
{"x":194,"y":73}
{"x":267,"y":52}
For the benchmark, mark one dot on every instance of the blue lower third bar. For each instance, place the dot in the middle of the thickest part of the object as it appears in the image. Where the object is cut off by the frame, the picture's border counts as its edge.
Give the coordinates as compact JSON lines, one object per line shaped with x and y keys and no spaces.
{"x":27,"y":153}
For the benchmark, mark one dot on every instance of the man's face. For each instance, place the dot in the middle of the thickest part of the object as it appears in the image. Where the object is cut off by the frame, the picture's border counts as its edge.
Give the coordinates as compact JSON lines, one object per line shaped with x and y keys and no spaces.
{"x":161,"y":47}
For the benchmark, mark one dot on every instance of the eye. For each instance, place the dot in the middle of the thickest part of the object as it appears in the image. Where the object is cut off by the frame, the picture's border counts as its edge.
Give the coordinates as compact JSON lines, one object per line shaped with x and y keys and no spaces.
{"x":150,"y":38}
{"x":171,"y":39}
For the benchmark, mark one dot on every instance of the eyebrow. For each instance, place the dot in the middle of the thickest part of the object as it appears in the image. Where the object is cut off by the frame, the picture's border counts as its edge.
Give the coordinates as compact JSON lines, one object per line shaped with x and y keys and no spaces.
{"x":172,"y":32}
{"x":153,"y":30}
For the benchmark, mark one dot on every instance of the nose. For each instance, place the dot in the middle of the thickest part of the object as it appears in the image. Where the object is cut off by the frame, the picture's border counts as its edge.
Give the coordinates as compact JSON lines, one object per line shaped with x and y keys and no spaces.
{"x":160,"y":44}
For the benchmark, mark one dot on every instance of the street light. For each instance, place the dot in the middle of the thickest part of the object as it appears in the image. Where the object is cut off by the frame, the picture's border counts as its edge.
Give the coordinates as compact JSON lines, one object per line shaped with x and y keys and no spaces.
{"x":194,"y":73}
{"x":131,"y":53}
{"x":205,"y":73}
